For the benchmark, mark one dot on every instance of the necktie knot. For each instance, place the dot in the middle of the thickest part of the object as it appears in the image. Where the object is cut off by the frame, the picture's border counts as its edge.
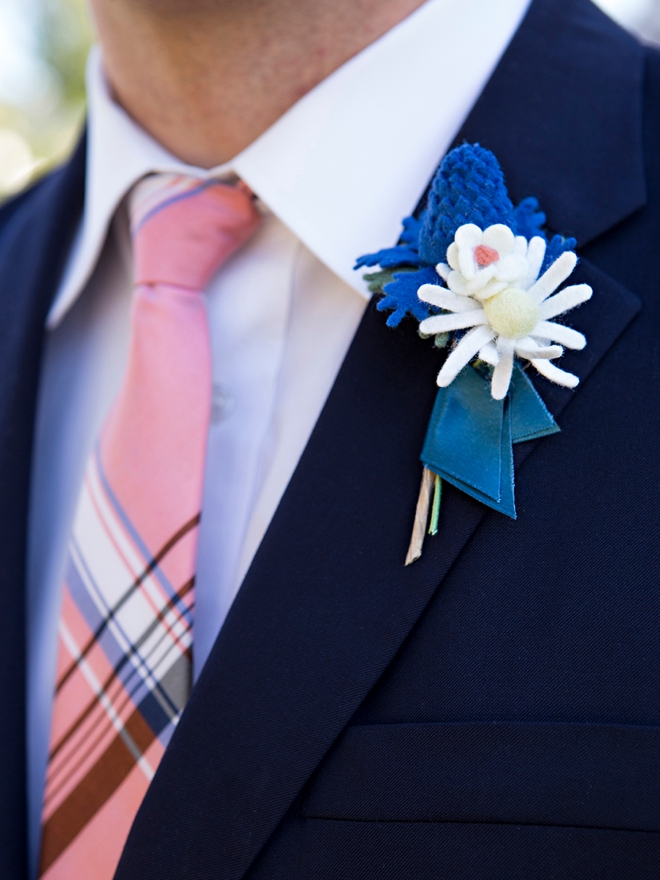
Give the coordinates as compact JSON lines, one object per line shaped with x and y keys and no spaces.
{"x":184,"y":228}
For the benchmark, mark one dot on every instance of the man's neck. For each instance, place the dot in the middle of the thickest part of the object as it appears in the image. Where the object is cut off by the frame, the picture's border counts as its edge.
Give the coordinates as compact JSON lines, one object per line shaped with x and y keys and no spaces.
{"x":207,"y":77}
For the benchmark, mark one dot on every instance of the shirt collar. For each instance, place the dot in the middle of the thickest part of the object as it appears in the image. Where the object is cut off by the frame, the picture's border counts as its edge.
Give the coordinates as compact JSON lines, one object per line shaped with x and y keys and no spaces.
{"x":343,"y":166}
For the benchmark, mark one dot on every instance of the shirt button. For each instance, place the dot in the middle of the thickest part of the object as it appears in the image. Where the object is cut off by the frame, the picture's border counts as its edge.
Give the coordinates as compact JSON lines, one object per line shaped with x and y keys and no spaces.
{"x":222,"y":403}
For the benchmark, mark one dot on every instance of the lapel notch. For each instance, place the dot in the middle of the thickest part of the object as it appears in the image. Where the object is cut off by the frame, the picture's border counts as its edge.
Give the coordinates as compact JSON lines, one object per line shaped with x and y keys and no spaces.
{"x":563,"y":114}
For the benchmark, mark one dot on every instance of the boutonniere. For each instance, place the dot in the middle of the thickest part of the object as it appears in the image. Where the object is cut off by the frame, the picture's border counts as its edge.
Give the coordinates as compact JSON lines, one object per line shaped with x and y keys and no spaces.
{"x":484,"y":280}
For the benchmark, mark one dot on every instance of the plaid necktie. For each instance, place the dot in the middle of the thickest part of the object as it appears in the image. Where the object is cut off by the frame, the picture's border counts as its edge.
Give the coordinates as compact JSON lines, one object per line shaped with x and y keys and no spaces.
{"x":125,"y":628}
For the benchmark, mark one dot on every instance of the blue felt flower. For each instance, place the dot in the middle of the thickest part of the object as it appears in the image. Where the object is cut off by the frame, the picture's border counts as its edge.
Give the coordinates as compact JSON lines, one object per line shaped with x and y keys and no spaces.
{"x":468,"y":188}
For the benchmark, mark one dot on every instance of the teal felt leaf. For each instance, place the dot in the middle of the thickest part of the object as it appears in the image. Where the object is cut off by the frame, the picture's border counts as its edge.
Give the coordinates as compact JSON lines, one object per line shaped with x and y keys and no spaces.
{"x":469,"y":441}
{"x":464,"y":438}
{"x":530,"y":418}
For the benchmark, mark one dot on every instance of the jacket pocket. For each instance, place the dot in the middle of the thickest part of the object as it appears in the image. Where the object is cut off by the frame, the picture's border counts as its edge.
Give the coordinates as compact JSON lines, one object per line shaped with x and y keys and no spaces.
{"x":589,"y":775}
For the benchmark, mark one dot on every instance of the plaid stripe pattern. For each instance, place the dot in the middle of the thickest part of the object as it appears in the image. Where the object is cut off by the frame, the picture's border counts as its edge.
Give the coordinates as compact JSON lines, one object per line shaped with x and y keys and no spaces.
{"x":125,"y":631}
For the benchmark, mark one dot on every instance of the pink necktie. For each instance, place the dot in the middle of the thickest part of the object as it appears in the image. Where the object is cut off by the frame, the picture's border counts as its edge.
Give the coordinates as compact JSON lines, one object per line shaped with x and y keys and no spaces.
{"x":125,"y":629}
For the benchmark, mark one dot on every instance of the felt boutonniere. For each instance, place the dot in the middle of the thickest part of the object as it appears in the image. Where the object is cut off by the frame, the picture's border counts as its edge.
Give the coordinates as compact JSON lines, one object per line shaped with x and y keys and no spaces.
{"x":482,"y":278}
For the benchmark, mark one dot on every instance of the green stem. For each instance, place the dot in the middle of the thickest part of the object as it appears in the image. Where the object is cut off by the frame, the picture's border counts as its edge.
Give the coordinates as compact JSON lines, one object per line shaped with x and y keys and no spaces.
{"x":435,"y":511}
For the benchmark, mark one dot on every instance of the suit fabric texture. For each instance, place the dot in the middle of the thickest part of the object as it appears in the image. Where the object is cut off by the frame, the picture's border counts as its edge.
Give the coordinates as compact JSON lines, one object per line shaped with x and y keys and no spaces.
{"x":492,"y":711}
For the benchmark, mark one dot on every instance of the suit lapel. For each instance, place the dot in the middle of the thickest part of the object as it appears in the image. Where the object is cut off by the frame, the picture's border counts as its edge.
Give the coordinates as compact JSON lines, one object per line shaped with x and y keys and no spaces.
{"x":37,"y":230}
{"x":327,"y":602}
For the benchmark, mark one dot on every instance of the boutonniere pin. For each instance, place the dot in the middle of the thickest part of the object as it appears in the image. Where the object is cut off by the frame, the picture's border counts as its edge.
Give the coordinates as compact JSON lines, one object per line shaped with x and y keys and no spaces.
{"x":483,"y":279}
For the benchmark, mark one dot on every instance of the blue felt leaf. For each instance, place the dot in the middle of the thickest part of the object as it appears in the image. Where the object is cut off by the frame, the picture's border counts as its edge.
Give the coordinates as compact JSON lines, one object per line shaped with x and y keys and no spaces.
{"x":404,"y":253}
{"x":529,"y":220}
{"x":556,"y":247}
{"x":401,"y":296}
{"x":388,"y":258}
{"x":412,"y":227}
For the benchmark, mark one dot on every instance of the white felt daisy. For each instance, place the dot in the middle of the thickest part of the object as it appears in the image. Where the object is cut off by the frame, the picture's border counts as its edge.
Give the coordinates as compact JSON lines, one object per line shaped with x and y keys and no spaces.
{"x":494,"y":291}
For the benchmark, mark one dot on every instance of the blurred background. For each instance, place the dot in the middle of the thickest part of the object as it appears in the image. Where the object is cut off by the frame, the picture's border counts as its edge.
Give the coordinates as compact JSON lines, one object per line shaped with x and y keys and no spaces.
{"x":43,"y":46}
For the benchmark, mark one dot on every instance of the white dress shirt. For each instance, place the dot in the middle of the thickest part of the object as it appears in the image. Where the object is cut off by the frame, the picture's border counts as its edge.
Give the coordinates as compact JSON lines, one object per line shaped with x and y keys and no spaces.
{"x":334,"y":176}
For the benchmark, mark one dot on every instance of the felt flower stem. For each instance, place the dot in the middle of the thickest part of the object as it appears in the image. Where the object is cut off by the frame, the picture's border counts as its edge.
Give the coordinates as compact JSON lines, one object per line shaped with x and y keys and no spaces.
{"x":421,"y":516}
{"x":435,"y":510}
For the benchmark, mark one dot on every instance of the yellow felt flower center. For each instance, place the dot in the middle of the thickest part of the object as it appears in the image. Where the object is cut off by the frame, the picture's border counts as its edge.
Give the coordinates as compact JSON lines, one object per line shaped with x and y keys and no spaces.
{"x":512,"y":313}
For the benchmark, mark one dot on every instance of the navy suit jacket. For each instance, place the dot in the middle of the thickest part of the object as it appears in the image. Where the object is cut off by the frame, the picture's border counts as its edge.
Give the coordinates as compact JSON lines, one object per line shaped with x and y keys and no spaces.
{"x":492,"y":711}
